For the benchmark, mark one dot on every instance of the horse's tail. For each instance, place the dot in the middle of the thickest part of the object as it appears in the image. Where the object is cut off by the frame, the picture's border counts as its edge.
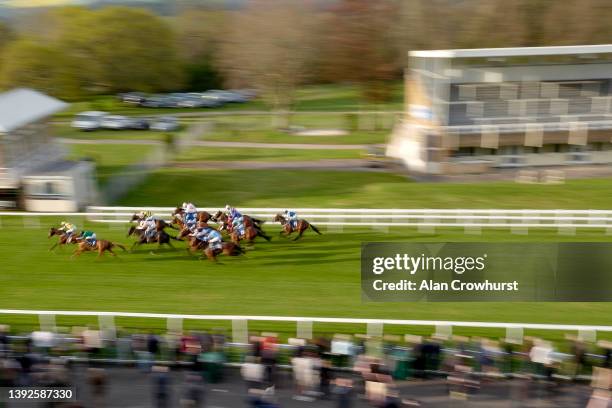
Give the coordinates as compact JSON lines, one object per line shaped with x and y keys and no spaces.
{"x":315,"y":229}
{"x":257,"y":221}
{"x":119,"y":245}
{"x":263,"y":235}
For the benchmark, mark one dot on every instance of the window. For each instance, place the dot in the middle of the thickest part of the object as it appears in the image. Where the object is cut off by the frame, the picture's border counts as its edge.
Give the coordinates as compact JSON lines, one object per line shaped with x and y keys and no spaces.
{"x":48,"y":188}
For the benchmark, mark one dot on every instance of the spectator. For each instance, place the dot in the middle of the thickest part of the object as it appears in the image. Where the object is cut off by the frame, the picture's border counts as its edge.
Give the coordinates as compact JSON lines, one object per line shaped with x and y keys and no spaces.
{"x":193,"y":392}
{"x":343,"y":390}
{"x":98,"y":385}
{"x":161,"y":387}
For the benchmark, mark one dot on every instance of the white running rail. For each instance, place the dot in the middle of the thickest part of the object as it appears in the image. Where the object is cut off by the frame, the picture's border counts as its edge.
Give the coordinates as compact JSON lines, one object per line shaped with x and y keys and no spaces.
{"x":45,"y":315}
{"x":385,"y":218}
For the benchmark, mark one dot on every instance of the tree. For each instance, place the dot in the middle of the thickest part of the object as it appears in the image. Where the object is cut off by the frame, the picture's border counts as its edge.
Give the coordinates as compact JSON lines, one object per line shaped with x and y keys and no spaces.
{"x":358,"y":46}
{"x":124,"y":48}
{"x":42,"y":67}
{"x":199,"y":35}
{"x":268,"y":47}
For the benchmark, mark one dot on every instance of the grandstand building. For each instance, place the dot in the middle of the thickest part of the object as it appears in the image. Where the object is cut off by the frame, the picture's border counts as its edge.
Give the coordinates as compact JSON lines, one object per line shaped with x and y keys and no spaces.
{"x":475,"y":110}
{"x":34,"y":172}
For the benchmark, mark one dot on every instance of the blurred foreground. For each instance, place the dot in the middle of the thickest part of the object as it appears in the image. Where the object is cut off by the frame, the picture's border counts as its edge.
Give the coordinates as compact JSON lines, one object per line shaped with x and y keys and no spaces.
{"x":203,"y":369}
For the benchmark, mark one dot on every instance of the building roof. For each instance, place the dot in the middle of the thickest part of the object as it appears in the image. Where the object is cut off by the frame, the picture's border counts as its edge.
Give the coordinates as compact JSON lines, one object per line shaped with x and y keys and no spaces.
{"x":22,"y":106}
{"x":514,"y":52}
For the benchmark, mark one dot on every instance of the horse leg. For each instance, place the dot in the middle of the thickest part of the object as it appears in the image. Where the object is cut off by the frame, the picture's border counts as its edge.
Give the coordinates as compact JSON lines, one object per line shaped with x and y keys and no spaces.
{"x":301,"y":232}
{"x":111,"y":252}
{"x":53,"y":247}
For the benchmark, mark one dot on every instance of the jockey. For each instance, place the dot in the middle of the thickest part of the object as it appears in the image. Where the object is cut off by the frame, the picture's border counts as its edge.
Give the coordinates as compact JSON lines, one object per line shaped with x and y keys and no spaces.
{"x":238,"y":225}
{"x":189,"y":208}
{"x":69,"y":229}
{"x":89,"y":237}
{"x":190,"y":215}
{"x":143,"y":216}
{"x":201,"y":232}
{"x":215,"y":240}
{"x":150,"y":226}
{"x":291,"y":217}
{"x":232,"y":213}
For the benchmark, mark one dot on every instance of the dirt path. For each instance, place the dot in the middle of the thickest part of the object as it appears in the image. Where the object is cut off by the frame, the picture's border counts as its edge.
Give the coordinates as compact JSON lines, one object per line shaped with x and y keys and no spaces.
{"x":330,"y":164}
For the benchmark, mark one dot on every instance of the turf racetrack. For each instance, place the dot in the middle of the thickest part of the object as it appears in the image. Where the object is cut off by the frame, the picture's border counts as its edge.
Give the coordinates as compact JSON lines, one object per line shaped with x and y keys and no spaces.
{"x":318,"y":276}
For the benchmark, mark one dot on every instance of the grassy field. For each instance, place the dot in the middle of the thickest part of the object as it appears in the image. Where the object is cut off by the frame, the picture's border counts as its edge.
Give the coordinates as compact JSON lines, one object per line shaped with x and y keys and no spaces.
{"x":312,"y":188}
{"x":110,"y":159}
{"x":231,"y":154}
{"x":316,"y":277}
{"x":313,"y":97}
{"x":263,"y":136}
{"x":65,"y":131}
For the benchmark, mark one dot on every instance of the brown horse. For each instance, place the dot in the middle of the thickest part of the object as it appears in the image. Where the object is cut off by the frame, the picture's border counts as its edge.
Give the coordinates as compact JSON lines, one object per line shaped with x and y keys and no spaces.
{"x":63,"y":238}
{"x":202,"y":216}
{"x":161,"y":236}
{"x":101,"y":246}
{"x":138,"y":217}
{"x":302,"y":225}
{"x":250,"y":233}
{"x":227,"y":248}
{"x":221,"y":218}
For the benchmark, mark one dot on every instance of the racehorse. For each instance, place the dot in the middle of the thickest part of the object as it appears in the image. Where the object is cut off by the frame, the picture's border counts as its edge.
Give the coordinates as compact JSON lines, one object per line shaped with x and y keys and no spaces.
{"x":161,"y":236}
{"x":302,"y":225}
{"x":101,"y":246}
{"x":202,"y":216}
{"x":227,"y":248}
{"x":221,"y":218}
{"x":138,"y":217}
{"x":63,"y":237}
{"x":250,"y":233}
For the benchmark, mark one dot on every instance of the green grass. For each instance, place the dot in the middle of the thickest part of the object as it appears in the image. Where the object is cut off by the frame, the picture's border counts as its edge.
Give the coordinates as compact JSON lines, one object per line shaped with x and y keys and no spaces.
{"x":318,"y":276}
{"x":233,"y":154}
{"x":332,"y":97}
{"x":110,"y":159}
{"x":320,"y":189}
{"x":221,"y":134}
{"x":65,"y":131}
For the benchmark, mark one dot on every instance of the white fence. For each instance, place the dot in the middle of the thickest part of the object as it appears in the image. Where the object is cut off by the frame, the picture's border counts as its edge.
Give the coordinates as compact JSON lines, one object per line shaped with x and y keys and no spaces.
{"x":304,"y":325}
{"x":385,"y":218}
{"x":381,"y":219}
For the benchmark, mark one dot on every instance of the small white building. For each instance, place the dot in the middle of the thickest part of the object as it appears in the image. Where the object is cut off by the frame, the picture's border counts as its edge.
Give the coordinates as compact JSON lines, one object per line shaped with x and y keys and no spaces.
{"x":34,"y":172}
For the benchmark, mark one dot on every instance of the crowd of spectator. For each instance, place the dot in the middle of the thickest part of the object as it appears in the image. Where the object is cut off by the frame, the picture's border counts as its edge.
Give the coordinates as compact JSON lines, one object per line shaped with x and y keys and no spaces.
{"x":341,"y":370}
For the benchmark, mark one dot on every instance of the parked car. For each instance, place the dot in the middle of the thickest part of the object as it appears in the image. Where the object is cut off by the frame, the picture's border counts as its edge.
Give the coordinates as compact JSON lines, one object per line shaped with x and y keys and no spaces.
{"x":165,"y":124}
{"x":138,"y":124}
{"x":191,"y":101}
{"x":87,"y":121}
{"x":132,"y":97}
{"x":159,"y":101}
{"x":115,"y":122}
{"x":224,"y":96}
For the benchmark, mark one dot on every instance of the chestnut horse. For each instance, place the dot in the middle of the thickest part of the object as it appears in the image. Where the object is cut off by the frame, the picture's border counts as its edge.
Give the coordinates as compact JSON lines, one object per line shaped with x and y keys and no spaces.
{"x":227,"y":248}
{"x":202,"y":216}
{"x":138,"y":217}
{"x":101,"y":246}
{"x":63,"y":237}
{"x":250,"y":233}
{"x":302,"y":225}
{"x":161,"y":236}
{"x":221,"y":218}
